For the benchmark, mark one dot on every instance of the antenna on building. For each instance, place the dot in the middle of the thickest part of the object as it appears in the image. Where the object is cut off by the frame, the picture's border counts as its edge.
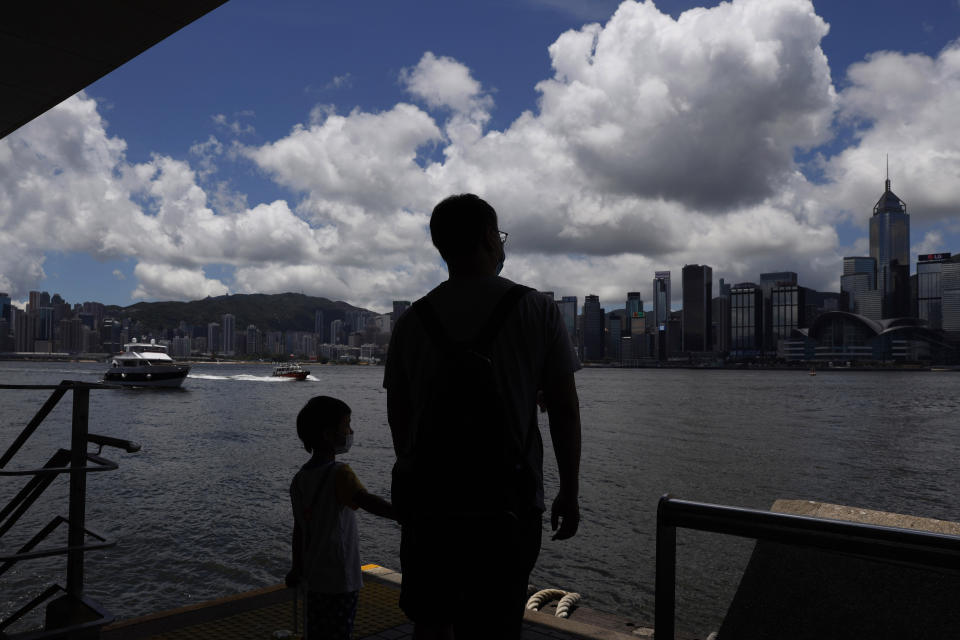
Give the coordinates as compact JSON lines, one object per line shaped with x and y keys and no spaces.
{"x":888,"y":172}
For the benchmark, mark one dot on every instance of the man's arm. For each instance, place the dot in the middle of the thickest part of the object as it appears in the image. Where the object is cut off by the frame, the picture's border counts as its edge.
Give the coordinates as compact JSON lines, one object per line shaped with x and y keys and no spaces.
{"x":563,"y":409}
{"x":399,"y":416}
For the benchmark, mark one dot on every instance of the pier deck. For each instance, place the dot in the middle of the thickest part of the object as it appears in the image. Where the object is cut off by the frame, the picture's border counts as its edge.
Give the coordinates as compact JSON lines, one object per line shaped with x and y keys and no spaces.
{"x":258,"y":614}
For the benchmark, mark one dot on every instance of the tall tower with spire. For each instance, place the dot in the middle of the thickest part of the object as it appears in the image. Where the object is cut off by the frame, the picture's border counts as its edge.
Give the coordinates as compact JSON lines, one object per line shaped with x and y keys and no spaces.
{"x":890,"y":247}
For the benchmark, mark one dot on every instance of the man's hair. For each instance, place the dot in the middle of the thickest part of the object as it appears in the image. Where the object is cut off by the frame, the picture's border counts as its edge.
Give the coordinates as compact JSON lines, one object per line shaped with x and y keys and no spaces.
{"x":458,"y":224}
{"x":317,"y":416}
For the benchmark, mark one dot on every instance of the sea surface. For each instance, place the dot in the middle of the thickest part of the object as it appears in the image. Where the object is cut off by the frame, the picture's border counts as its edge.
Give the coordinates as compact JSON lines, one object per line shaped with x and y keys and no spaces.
{"x":202,"y":511}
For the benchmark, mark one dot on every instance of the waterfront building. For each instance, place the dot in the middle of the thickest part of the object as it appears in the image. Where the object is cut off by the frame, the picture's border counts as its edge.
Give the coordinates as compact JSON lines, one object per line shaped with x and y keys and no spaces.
{"x":633,"y":309}
{"x":318,"y":324}
{"x":721,"y":321}
{"x":615,"y":321}
{"x":6,"y":338}
{"x":568,"y":310}
{"x":661,"y":313}
{"x":180,"y":347}
{"x":213,"y":337}
{"x":859,"y":277}
{"x":787,"y":306}
{"x":844,"y":336}
{"x":593,"y":321}
{"x":929,"y":289}
{"x":5,"y":306}
{"x":890,"y":247}
{"x":661,"y":297}
{"x":746,"y":320}
{"x":228,"y":334}
{"x":22,"y":331}
{"x":336,"y":331}
{"x":254,"y":339}
{"x":697,"y":307}
{"x":950,"y":292}
{"x":274,"y":343}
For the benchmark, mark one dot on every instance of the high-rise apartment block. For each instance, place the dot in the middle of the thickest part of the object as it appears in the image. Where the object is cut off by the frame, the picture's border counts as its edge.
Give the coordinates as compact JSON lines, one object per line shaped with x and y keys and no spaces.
{"x":213,"y":337}
{"x":229,"y":334}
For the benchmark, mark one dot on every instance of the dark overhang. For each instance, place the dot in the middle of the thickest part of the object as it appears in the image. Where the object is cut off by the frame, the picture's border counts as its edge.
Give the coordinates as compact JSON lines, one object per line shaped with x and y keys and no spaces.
{"x":52,"y":50}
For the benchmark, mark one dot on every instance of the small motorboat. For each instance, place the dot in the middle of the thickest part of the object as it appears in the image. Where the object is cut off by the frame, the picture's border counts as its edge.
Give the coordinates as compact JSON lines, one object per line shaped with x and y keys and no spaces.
{"x":291,"y":370}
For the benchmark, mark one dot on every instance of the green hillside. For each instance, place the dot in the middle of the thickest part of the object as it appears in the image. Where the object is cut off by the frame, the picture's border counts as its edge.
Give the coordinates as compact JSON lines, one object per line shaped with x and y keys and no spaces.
{"x":276,"y":312}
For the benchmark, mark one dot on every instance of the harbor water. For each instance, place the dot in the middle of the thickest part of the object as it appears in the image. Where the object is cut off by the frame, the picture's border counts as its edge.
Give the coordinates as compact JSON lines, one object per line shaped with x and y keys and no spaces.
{"x":202,"y":511}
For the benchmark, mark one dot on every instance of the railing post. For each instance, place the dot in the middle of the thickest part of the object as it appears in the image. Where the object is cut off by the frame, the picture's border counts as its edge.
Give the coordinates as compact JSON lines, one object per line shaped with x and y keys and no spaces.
{"x":666,"y":574}
{"x":78,"y":490}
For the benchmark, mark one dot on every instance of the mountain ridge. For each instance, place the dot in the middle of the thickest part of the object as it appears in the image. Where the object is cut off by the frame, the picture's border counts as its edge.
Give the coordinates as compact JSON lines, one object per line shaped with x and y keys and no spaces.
{"x":268,"y":312}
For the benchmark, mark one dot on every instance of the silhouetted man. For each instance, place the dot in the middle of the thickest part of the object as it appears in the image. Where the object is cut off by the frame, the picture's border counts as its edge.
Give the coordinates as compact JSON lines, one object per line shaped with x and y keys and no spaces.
{"x":464,"y":369}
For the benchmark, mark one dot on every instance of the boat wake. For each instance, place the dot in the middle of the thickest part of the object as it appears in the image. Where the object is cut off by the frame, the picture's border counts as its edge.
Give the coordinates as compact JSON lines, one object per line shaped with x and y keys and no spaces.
{"x":245,"y":377}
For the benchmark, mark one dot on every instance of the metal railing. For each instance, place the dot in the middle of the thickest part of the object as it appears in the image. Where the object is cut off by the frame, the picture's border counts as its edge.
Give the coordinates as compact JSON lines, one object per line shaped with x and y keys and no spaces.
{"x":904,"y":546}
{"x":73,"y":615}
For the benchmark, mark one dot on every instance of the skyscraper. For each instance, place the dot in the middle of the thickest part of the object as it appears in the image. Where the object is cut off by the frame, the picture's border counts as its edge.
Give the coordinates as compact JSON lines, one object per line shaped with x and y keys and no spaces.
{"x":890,"y":247}
{"x":697,"y":307}
{"x":859,"y":277}
{"x":929,"y":288}
{"x":661,"y":298}
{"x":634,"y":310}
{"x":746,"y":319}
{"x":593,"y":320}
{"x":568,"y":309}
{"x":5,"y":306}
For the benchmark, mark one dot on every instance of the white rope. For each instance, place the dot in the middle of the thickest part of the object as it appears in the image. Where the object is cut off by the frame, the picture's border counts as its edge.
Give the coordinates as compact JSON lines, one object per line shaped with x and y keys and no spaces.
{"x":568,"y":599}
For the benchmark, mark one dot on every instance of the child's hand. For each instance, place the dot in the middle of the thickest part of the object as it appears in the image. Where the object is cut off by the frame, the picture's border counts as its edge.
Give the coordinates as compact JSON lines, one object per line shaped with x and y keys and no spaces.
{"x":292,"y":580}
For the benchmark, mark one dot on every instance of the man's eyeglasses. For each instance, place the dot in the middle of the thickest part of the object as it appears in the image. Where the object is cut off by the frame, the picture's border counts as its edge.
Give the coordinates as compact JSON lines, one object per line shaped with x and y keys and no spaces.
{"x":503,"y":236}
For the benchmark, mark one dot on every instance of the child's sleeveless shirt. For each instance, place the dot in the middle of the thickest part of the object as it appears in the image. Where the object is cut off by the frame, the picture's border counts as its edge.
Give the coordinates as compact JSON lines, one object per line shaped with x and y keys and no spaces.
{"x":331,"y":553}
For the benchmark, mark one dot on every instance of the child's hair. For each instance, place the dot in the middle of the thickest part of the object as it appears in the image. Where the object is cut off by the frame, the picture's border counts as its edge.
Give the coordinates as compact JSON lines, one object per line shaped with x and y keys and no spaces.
{"x":319,"y":414}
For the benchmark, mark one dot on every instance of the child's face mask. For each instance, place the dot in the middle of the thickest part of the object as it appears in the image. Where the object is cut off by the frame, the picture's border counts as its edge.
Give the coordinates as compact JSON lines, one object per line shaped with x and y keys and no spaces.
{"x":345,"y":445}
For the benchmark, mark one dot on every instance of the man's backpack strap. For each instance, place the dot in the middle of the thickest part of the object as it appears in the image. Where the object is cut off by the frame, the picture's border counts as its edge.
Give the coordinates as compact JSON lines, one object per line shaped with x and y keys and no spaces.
{"x":431,"y":322}
{"x":500,"y":313}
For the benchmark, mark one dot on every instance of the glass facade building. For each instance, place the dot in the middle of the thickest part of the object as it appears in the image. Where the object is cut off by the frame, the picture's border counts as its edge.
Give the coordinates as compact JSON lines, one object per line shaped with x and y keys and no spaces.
{"x":890,"y":247}
{"x":929,"y":288}
{"x":746,"y":319}
{"x":697,"y":307}
{"x":593,"y":322}
{"x":787,"y":305}
{"x":661,"y":297}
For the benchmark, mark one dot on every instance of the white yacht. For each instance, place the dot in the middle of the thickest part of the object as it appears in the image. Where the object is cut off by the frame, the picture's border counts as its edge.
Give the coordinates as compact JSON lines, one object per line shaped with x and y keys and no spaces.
{"x":145,"y":365}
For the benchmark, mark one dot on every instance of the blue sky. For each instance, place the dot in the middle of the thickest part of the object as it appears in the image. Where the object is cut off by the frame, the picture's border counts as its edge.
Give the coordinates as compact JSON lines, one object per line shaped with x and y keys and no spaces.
{"x":299,"y":146}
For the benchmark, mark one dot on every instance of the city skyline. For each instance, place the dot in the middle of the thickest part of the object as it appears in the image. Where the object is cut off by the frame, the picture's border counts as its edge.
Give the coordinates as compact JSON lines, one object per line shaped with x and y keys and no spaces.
{"x":245,"y":154}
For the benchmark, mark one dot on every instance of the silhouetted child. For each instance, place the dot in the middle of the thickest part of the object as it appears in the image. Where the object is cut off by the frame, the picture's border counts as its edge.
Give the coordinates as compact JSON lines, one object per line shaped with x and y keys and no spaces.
{"x":325,"y":494}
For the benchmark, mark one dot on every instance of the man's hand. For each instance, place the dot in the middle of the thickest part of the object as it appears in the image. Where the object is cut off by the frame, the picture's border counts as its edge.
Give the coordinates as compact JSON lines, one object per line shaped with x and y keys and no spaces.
{"x":564,"y":513}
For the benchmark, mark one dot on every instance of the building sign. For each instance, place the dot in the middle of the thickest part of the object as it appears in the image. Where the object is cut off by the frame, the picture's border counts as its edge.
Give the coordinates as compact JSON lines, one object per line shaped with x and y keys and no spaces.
{"x":933,"y":257}
{"x":638,"y":314}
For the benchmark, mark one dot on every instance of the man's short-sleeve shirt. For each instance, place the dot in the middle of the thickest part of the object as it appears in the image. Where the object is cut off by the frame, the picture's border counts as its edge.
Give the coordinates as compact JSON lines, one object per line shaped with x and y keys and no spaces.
{"x":532,"y":347}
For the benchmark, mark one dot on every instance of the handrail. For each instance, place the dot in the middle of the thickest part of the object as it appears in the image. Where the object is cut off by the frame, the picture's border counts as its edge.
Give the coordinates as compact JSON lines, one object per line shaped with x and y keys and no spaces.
{"x":907,"y":546}
{"x":62,"y":617}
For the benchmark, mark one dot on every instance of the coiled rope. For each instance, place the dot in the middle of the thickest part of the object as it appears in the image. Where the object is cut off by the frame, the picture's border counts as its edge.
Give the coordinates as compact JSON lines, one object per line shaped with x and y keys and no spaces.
{"x":568,"y":599}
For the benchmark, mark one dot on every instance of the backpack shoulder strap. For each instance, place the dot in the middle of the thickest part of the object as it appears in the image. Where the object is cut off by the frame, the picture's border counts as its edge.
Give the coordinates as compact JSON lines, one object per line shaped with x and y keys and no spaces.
{"x":509,"y":300}
{"x":431,"y":321}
